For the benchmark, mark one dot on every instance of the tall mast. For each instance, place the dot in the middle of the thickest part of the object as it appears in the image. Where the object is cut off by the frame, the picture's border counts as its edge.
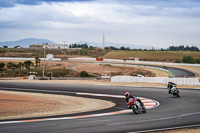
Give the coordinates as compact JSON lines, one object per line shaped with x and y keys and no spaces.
{"x":103,"y":41}
{"x":103,"y":49}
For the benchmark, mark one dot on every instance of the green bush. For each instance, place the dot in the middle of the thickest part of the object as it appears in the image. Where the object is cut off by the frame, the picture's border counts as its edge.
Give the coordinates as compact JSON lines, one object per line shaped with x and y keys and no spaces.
{"x":11,"y":65}
{"x":2,"y":65}
{"x":28,"y":64}
{"x":197,"y":61}
{"x":188,"y":59}
{"x":84,"y":74}
{"x":177,"y":61}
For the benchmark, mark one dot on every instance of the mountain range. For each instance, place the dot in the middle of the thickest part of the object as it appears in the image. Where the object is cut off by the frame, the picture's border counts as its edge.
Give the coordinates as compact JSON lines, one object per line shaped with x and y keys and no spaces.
{"x":25,"y":42}
{"x":28,"y":41}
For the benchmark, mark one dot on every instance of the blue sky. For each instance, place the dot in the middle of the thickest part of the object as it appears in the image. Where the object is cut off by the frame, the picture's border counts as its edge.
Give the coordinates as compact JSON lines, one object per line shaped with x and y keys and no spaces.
{"x":160,"y":23}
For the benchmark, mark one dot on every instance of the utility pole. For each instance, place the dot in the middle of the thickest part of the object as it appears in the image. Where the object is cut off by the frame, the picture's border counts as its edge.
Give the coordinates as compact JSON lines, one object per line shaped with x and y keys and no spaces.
{"x":44,"y":59}
{"x":103,"y":49}
{"x":124,"y":65}
{"x":65,"y":47}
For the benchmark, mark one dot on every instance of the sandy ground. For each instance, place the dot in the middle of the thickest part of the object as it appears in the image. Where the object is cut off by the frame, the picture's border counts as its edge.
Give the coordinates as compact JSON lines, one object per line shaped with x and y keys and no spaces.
{"x":26,"y":105}
{"x":102,"y":69}
{"x":195,"y":69}
{"x":186,"y":130}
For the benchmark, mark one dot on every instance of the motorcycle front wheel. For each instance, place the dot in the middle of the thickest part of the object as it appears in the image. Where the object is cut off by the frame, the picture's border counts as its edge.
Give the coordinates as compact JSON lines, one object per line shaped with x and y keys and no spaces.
{"x":135,"y":109}
{"x":177,"y":94}
{"x":144,"y":110}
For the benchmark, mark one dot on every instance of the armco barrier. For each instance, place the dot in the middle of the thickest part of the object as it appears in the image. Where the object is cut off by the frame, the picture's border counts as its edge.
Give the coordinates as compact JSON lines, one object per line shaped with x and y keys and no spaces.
{"x":163,"y":80}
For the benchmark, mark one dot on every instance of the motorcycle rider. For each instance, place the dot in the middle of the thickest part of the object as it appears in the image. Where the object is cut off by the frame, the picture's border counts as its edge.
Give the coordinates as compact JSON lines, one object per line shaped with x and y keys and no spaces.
{"x":127,"y":95}
{"x":170,"y":86}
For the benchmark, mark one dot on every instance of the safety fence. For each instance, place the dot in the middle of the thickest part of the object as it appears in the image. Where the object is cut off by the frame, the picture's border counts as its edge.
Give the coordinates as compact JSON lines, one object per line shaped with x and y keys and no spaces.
{"x":32,"y":59}
{"x":133,"y":61}
{"x":163,"y":80}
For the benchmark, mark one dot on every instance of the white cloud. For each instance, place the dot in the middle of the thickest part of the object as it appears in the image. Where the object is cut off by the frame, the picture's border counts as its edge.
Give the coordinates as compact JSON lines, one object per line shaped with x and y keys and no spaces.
{"x":158,"y":23}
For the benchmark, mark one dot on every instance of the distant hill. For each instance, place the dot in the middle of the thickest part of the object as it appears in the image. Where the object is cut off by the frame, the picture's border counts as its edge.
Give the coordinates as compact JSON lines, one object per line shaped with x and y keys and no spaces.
{"x":25,"y":42}
{"x":118,"y":45}
{"x":28,"y":41}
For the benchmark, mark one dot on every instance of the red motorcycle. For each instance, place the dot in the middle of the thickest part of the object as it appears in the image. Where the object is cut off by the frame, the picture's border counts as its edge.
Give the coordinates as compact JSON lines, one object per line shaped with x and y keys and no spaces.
{"x":136,"y":106}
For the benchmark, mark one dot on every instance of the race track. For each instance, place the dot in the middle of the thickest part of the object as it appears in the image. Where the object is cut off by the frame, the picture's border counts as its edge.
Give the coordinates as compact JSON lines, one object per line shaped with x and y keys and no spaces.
{"x":172,"y":111}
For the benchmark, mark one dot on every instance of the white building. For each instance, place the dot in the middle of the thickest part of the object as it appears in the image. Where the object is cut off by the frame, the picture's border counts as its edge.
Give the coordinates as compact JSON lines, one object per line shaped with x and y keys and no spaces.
{"x":55,"y":46}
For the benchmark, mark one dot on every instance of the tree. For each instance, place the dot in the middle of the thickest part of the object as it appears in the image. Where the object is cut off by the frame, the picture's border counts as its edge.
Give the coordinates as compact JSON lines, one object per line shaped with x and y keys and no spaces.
{"x":183,"y":48}
{"x":84,"y":46}
{"x":28,"y":64}
{"x":91,"y":48}
{"x":17,"y":46}
{"x":37,"y":61}
{"x":2,"y":65}
{"x":5,"y":46}
{"x":20,"y":65}
{"x":84,"y":74}
{"x":114,"y":48}
{"x":122,"y":48}
{"x":9,"y":65}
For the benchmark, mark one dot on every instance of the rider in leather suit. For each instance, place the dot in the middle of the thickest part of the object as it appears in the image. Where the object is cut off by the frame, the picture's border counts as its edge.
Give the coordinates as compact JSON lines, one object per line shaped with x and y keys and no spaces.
{"x":170,"y":86}
{"x":127,"y":95}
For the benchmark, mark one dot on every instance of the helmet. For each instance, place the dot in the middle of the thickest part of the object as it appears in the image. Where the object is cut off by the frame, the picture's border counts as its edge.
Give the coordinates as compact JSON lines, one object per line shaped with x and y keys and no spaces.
{"x":127,"y":94}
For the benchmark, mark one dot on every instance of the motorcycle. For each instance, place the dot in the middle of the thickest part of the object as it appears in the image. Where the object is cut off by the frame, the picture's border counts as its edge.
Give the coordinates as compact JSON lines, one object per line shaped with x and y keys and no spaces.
{"x":174,"y":91}
{"x":136,"y":106}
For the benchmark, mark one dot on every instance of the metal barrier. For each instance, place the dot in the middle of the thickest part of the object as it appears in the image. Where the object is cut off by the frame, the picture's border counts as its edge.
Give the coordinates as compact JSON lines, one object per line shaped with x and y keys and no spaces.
{"x":163,"y":80}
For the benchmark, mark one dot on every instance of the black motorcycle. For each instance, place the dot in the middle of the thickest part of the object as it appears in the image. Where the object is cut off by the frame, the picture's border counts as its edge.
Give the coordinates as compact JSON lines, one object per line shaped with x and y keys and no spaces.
{"x":175,"y":91}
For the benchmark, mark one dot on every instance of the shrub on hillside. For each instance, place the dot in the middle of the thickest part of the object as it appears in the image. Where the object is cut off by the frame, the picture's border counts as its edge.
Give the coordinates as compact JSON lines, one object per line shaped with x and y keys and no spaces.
{"x":2,"y":65}
{"x":11,"y":65}
{"x":197,"y":61}
{"x":188,"y":59}
{"x":84,"y":74}
{"x":177,"y":61}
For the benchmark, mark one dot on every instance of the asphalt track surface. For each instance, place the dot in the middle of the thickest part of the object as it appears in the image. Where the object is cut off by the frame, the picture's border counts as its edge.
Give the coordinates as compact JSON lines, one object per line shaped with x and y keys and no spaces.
{"x":177,"y":72}
{"x":172,"y":111}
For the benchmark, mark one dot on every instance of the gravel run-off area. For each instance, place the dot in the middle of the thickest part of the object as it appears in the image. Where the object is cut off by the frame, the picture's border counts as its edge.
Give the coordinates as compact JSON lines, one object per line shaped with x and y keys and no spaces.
{"x":26,"y":105}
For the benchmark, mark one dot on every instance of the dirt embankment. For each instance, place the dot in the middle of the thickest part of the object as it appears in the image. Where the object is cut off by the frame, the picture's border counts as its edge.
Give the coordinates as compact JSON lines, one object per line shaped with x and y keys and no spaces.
{"x":58,"y":69}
